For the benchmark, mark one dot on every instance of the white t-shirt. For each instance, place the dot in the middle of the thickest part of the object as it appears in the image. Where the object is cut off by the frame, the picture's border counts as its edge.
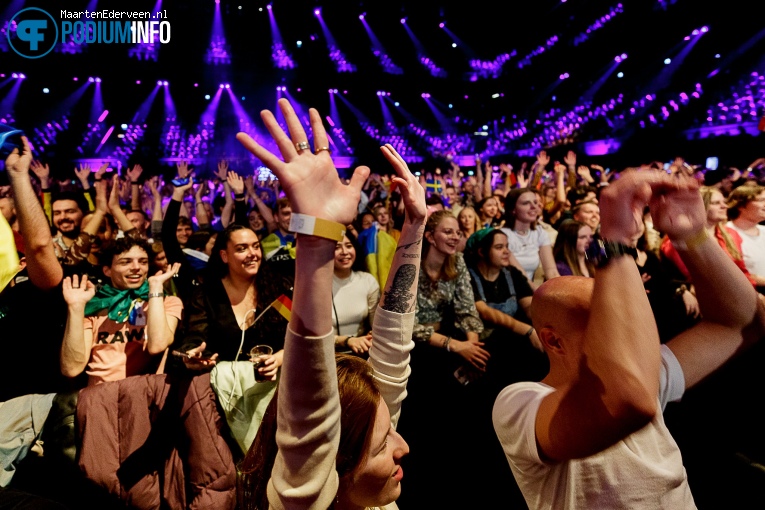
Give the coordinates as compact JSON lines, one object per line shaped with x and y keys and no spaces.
{"x":526,"y":248}
{"x":644,"y":470}
{"x":753,"y":249}
{"x":354,"y":298}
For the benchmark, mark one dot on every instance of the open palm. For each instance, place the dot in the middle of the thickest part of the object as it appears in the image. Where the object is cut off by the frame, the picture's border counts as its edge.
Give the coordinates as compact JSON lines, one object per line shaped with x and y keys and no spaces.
{"x":310,"y":180}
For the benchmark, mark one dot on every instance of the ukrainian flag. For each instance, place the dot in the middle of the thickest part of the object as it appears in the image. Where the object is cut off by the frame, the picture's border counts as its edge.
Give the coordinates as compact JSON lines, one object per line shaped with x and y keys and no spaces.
{"x":378,"y":248}
{"x":9,"y":258}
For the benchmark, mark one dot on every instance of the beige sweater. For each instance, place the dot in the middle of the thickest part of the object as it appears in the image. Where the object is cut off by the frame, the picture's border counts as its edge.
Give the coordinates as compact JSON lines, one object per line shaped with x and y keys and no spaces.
{"x":308,"y":424}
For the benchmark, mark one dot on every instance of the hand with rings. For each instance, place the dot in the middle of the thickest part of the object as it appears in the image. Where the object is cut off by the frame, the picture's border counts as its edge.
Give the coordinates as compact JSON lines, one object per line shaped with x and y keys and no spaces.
{"x":302,"y":146}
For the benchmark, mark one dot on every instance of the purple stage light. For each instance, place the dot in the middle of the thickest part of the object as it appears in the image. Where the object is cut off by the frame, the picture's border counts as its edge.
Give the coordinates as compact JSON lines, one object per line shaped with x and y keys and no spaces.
{"x":317,"y":12}
{"x":22,"y":76}
{"x":159,"y":82}
{"x":361,"y":17}
{"x":704,"y":29}
{"x":441,"y":25}
{"x":103,"y":116}
{"x":164,"y":83}
{"x":98,"y":80}
{"x":138,"y":82}
{"x":90,"y":79}
{"x":425,"y":95}
{"x":75,"y":79}
{"x":15,"y":75}
{"x":403,"y":21}
{"x":228,"y":86}
{"x":268,"y":7}
{"x":618,"y":58}
{"x":695,"y":32}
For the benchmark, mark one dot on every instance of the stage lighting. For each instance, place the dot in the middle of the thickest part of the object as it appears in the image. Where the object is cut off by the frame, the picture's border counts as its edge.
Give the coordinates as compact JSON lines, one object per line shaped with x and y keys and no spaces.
{"x":15,"y":75}
{"x":228,"y":86}
{"x":196,"y":85}
{"x":124,"y":126}
{"x":138,"y":82}
{"x":695,"y":32}
{"x":299,"y":44}
{"x":361,"y":16}
{"x":220,"y":86}
{"x":22,"y":76}
{"x":98,"y":80}
{"x":451,"y":105}
{"x":90,"y":79}
{"x":667,"y":61}
{"x":75,"y":79}
{"x":317,"y":12}
{"x":454,"y":45}
{"x":704,"y":29}
{"x":268,"y":7}
{"x":441,"y":25}
{"x":396,"y":103}
{"x":425,"y":95}
{"x":403,"y":21}
{"x":46,"y":90}
{"x":620,"y":75}
{"x":159,"y":83}
{"x":207,"y":97}
{"x":164,"y":83}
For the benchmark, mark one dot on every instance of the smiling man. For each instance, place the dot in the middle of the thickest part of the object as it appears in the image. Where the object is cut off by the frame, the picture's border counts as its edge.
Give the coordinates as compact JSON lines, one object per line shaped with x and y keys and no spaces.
{"x":117,"y":331}
{"x":70,"y":244}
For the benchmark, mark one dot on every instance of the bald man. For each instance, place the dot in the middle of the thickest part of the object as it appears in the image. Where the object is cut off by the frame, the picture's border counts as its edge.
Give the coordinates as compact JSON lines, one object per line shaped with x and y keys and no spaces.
{"x":591,"y":433}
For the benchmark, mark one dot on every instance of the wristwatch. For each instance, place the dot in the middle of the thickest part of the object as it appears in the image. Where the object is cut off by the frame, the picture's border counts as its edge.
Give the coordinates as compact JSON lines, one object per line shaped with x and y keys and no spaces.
{"x":600,"y":252}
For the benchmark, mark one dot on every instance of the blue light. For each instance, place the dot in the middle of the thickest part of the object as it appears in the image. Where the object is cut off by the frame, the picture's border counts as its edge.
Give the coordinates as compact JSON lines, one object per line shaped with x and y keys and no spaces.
{"x":620,"y":75}
{"x":667,"y":61}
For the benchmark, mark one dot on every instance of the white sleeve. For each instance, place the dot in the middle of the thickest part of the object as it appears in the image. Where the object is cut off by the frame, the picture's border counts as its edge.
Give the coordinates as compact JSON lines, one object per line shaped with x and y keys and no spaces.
{"x":672,"y":383}
{"x":514,"y":417}
{"x":389,"y":357}
{"x":308,"y":425}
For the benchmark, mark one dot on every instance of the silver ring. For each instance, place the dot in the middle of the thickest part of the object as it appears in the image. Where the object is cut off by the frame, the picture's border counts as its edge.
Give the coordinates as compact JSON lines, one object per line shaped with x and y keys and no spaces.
{"x":302,"y":146}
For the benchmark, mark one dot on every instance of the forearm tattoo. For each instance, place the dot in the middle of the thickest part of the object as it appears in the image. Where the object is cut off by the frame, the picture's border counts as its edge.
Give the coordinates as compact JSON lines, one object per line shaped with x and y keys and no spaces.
{"x":398,"y":299}
{"x":407,"y":246}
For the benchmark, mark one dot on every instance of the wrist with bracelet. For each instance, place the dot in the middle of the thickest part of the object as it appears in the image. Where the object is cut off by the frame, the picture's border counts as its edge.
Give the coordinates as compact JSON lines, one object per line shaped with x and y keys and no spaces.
{"x":692,"y":241}
{"x":313,"y":226}
{"x":446,"y":343}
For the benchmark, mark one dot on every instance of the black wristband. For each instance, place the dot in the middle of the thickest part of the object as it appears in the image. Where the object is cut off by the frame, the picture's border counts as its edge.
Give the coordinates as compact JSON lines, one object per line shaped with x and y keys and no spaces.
{"x":45,"y":190}
{"x":134,"y":183}
{"x":238,"y":195}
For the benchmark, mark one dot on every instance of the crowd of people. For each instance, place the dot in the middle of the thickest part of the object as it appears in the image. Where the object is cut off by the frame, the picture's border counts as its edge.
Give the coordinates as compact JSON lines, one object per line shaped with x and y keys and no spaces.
{"x":494,"y":329}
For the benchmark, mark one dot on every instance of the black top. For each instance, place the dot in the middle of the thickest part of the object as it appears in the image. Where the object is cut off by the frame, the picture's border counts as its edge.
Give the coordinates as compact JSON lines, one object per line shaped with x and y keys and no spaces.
{"x":210,"y":318}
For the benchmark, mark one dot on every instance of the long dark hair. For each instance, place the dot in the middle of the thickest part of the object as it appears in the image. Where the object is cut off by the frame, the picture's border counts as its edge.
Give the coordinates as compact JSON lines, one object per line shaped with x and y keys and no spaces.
{"x":565,"y":247}
{"x":215,"y":265}
{"x":510,"y":201}
{"x":359,"y":399}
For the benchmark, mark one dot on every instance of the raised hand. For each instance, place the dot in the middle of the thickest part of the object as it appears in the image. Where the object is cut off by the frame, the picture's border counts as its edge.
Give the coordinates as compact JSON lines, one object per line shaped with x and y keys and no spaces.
{"x":235,"y":182}
{"x":412,"y":192}
{"x":180,"y":191}
{"x":249,"y":184}
{"x":584,"y":173}
{"x":183,"y":169}
{"x":153,"y":185}
{"x":570,"y":159}
{"x":135,"y":173}
{"x":41,"y":171}
{"x":77,"y":292}
{"x":200,"y":191}
{"x":309,"y":180}
{"x":82,"y":172}
{"x":222,"y":170}
{"x":19,"y":163}
{"x":543,"y":159}
{"x":114,"y":196}
{"x":157,"y":281}
{"x":676,"y":207}
{"x":101,"y":171}
{"x":522,"y":178}
{"x":102,"y":203}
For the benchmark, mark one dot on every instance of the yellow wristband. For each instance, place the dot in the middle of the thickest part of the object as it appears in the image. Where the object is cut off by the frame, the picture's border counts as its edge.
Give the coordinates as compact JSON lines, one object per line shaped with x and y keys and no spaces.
{"x":692,"y":242}
{"x":312,"y":226}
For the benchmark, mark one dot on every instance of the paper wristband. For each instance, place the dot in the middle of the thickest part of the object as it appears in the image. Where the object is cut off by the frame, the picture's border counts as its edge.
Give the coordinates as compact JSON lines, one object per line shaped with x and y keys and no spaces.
{"x":692,"y":242}
{"x":312,"y":226}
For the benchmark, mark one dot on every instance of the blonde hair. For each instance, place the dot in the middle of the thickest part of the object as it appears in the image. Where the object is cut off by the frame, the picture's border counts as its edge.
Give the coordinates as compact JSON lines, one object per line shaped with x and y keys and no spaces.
{"x":706,"y":196}
{"x":476,"y":221}
{"x":449,"y":269}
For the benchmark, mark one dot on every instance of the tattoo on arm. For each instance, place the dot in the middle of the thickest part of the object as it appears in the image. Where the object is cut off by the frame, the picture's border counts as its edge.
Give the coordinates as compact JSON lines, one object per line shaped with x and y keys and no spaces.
{"x":407,"y":246}
{"x":398,"y":299}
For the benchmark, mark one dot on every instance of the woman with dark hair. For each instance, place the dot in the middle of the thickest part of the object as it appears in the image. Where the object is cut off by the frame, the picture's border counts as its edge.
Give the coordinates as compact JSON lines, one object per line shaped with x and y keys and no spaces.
{"x":569,"y":251}
{"x":488,"y":208}
{"x":334,"y":444}
{"x":355,"y":294}
{"x":530,"y":245}
{"x":237,"y":289}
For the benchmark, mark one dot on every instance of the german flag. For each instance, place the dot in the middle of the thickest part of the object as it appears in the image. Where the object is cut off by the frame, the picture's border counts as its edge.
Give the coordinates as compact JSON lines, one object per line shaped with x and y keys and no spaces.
{"x":283,"y":305}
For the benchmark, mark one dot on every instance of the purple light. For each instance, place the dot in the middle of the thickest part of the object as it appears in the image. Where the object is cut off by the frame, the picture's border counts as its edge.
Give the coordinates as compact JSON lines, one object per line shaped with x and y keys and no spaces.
{"x":76,"y":79}
{"x":221,"y":86}
{"x":22,"y":76}
{"x":618,"y":58}
{"x":403,"y":21}
{"x":164,"y":83}
{"x":624,"y":56}
{"x":425,"y":95}
{"x":159,"y":83}
{"x":228,"y":86}
{"x":695,"y":32}
{"x":317,"y":12}
{"x":103,"y":116}
{"x":441,"y":25}
{"x":268,"y":7}
{"x":704,"y":29}
{"x":15,"y":75}
{"x":361,"y":17}
{"x":138,"y":82}
{"x":329,"y":121}
{"x":90,"y":79}
{"x":98,"y":80}
{"x":196,"y":85}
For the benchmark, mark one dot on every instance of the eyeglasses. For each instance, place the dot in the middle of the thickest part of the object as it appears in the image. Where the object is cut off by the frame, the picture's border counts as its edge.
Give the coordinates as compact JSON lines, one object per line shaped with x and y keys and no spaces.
{"x":451,"y":233}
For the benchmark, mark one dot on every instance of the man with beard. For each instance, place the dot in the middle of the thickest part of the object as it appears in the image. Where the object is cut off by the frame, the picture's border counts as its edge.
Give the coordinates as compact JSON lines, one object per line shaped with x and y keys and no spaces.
{"x":71,"y":245}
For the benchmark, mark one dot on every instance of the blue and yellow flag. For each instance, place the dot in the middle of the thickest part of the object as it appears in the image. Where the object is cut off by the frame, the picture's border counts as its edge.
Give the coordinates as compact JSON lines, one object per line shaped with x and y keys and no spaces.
{"x":378,"y":248}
